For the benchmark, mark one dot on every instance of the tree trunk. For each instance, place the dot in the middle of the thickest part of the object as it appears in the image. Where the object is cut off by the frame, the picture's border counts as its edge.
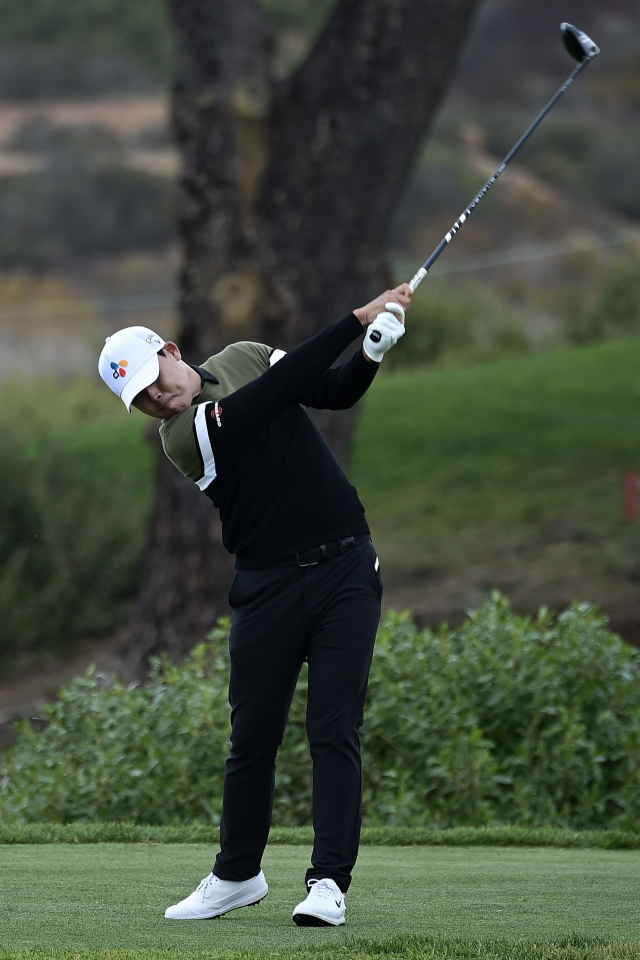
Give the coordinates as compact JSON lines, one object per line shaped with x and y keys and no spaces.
{"x":287,"y":194}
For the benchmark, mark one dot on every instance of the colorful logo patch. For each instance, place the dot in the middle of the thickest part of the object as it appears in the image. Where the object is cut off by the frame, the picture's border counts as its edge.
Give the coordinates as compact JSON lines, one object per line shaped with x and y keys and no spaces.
{"x":217,"y":412}
{"x":119,"y":369}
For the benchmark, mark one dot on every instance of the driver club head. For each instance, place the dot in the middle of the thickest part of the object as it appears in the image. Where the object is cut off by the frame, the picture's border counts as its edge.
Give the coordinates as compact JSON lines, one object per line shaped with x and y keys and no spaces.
{"x":580,"y":46}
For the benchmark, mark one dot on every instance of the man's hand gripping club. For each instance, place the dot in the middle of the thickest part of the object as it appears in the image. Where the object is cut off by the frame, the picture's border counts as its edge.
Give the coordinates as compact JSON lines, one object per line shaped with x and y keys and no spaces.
{"x":383,"y":319}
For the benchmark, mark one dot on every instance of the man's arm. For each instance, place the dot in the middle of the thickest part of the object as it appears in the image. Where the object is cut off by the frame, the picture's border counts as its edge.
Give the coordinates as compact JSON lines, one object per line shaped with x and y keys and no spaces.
{"x":248,"y":410}
{"x":224,"y":426}
{"x":341,"y":387}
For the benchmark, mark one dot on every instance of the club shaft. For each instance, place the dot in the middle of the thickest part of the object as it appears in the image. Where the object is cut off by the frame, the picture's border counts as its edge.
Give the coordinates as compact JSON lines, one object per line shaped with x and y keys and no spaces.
{"x":422,"y":272}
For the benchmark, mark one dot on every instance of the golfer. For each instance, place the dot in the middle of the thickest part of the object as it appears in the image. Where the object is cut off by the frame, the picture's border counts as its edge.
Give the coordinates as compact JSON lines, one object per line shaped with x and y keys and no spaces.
{"x":307,"y":585}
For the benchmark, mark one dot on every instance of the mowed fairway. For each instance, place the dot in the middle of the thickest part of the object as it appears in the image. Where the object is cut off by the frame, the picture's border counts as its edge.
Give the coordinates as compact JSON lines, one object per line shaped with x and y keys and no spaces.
{"x":113,"y":896}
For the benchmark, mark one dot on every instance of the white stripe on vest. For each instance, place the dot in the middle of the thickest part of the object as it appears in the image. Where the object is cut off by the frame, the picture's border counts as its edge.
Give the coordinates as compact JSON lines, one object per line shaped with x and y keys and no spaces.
{"x":206,"y":451}
{"x":275,"y":356}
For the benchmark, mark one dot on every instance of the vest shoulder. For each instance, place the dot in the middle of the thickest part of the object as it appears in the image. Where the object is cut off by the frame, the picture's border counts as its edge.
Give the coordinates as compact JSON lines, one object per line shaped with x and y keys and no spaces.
{"x":243,"y":357}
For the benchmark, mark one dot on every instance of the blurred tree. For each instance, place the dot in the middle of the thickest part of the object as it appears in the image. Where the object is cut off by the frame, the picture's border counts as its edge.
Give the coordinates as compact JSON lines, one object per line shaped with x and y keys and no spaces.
{"x":288,"y":191}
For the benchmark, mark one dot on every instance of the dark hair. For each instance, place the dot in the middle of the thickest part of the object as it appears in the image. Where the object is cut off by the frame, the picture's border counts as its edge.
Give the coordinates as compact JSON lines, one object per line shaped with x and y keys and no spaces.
{"x":161,"y":352}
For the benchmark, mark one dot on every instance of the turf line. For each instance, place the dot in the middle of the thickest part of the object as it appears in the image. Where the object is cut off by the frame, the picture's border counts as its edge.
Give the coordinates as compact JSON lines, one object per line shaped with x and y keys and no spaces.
{"x":18,"y":832}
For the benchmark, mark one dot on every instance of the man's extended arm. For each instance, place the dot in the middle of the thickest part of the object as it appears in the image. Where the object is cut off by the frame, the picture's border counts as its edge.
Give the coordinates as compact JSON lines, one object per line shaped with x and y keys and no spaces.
{"x":341,"y":387}
{"x":253,"y":406}
{"x":249,"y":409}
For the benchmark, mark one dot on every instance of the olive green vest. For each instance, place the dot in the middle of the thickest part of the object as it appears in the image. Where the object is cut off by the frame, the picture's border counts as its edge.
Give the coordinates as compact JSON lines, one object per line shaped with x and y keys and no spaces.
{"x":236,"y":365}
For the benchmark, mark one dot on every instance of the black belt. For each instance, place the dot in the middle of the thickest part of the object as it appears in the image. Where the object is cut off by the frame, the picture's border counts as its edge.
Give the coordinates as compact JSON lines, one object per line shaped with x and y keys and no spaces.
{"x":315,"y":555}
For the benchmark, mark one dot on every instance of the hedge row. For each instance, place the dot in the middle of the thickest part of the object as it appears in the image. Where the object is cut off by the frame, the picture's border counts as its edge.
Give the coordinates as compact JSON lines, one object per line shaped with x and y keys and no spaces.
{"x":508,"y":720}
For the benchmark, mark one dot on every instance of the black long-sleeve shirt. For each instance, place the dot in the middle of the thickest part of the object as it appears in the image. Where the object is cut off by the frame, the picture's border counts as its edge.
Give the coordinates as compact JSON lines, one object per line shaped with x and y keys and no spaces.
{"x":263,"y":462}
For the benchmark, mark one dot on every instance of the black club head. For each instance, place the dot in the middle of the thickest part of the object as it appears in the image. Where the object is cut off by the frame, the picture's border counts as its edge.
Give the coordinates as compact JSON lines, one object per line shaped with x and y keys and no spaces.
{"x":580,"y":46}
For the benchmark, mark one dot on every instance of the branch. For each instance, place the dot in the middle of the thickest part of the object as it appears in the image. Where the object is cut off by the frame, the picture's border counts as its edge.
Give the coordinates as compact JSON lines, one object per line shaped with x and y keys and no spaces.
{"x":346,"y":129}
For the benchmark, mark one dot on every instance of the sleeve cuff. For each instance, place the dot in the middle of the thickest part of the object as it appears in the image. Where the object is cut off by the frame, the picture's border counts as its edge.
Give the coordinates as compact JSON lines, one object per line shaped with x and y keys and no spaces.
{"x":354,"y":324}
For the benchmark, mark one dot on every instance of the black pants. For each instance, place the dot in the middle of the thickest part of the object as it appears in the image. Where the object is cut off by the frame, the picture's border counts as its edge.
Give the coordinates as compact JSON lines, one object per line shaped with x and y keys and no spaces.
{"x":327,"y":614}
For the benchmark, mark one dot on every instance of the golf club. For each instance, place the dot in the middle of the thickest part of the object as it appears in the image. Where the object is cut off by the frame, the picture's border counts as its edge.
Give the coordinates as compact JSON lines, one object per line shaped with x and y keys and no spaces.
{"x":582,"y":49}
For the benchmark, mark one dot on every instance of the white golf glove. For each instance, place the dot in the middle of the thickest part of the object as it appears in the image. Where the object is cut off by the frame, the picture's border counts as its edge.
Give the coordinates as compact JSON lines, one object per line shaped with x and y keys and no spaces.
{"x":384,"y":332}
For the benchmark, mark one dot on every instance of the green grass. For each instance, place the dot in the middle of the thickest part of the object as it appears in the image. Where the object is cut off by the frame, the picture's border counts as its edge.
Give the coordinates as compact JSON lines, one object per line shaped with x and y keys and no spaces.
{"x":38,"y":833}
{"x":110,"y":896}
{"x":455,"y":459}
{"x":420,"y":948}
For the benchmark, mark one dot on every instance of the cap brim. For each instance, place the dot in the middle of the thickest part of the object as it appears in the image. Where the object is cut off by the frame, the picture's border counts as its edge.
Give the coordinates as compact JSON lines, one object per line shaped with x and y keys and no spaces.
{"x":145,"y":376}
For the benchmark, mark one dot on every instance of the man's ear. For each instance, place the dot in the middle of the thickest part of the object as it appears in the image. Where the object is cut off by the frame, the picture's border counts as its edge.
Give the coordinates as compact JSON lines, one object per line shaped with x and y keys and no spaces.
{"x":172,"y":349}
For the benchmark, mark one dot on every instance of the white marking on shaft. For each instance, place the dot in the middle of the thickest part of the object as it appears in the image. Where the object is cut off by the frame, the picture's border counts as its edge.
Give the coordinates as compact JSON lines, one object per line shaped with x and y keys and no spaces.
{"x":417,"y":280}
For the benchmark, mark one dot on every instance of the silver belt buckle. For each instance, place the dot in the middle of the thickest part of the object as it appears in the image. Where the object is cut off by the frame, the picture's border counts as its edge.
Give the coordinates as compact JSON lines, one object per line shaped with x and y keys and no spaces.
{"x":314,"y":564}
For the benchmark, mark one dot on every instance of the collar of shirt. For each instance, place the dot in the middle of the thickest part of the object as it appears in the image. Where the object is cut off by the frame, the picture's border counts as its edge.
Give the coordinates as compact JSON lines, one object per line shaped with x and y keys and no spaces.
{"x":204,"y":373}
{"x":204,"y":376}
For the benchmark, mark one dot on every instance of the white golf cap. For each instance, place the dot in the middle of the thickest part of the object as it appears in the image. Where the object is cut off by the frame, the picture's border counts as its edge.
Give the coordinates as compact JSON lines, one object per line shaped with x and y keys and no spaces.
{"x":129,"y":361}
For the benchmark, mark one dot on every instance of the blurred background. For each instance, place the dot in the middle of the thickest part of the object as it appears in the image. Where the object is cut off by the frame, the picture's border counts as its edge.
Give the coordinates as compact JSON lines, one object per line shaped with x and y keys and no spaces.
{"x":499,"y":448}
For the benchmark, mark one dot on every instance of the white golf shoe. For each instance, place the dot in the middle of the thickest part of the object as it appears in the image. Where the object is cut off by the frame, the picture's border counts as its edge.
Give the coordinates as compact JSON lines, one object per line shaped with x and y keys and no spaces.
{"x":324,"y":907}
{"x":214,"y":897}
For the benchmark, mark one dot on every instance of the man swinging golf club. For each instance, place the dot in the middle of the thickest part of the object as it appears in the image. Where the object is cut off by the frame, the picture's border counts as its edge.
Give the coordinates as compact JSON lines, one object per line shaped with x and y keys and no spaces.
{"x":307,"y":583}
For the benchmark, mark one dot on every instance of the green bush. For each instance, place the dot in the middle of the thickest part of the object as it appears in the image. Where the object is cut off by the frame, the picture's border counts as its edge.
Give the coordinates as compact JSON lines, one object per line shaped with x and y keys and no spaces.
{"x":469,"y":324}
{"x":58,"y":214}
{"x":34,"y":74}
{"x":615,"y":310}
{"x":139,"y":31}
{"x":566,"y":154}
{"x":74,"y":498}
{"x":506,"y":720}
{"x":82,"y":202}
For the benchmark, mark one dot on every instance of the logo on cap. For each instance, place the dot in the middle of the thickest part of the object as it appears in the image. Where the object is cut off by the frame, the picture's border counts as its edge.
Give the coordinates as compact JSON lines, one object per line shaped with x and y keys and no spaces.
{"x":119,"y":369}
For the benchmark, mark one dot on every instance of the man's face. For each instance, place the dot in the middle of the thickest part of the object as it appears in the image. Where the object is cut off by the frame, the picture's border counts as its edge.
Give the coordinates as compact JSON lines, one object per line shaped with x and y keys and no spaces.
{"x":173,"y":390}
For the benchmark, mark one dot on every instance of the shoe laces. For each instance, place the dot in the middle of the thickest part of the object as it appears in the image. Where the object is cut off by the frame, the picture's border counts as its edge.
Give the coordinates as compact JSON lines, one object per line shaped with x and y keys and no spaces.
{"x":204,"y":887}
{"x":322,"y":888}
